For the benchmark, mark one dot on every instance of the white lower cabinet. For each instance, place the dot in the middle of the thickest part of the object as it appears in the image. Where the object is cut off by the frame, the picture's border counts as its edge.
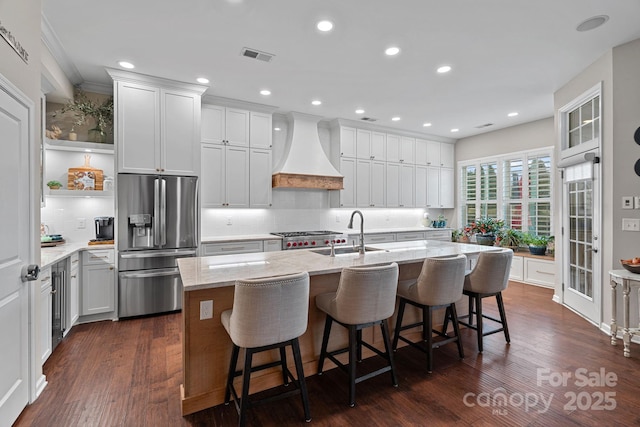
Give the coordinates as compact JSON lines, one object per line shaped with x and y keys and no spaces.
{"x":45,"y":300}
{"x":272,"y":245}
{"x":73,"y":306}
{"x":517,"y":268}
{"x":534,"y":271}
{"x":443,"y":235}
{"x":378,"y":238}
{"x":208,"y":249}
{"x":98,"y":282}
{"x":408,"y":236}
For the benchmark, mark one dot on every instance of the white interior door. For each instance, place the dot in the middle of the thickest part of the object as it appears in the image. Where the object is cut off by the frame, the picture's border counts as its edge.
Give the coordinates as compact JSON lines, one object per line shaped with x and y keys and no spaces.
{"x":14,"y":254}
{"x":581,"y":244}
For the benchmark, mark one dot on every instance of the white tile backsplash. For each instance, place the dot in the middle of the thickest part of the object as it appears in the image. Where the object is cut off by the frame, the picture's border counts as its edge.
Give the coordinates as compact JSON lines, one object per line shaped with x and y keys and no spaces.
{"x":61,"y":216}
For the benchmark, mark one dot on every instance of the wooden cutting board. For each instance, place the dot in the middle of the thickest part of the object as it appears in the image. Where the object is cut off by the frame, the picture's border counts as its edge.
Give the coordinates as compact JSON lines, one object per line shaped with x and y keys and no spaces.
{"x":85,"y":177}
{"x":101,"y":242}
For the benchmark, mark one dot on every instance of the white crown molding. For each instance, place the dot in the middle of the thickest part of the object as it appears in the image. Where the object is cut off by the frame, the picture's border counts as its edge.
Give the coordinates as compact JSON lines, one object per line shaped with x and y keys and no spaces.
{"x":237,"y":103}
{"x":128,"y":76}
{"x":51,"y":41}
{"x":370,"y":126}
{"x":97,"y":88}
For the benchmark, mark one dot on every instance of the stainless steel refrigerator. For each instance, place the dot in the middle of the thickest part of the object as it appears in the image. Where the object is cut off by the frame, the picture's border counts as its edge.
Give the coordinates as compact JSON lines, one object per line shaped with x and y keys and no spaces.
{"x":157,"y":224}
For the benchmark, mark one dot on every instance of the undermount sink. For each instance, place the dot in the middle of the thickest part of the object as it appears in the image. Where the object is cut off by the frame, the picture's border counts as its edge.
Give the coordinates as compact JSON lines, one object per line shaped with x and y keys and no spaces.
{"x":343,"y":250}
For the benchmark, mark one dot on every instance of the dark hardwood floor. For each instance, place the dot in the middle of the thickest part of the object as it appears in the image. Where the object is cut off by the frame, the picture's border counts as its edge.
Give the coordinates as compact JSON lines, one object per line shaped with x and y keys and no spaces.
{"x":128,"y":373}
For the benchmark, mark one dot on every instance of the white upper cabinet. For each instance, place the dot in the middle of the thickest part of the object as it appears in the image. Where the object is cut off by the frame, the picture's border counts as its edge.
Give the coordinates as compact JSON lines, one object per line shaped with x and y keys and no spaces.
{"x":447,"y":188}
{"x":260,"y":135}
{"x":260,"y":178}
{"x":421,"y":152}
{"x":433,"y":153}
{"x":225,"y":176}
{"x":393,"y":148}
{"x":440,"y":154}
{"x":378,"y":146}
{"x":223,"y":125}
{"x":157,"y":125}
{"x":347,"y":142}
{"x":407,"y":150}
{"x":363,"y":144}
{"x":347,"y":196}
{"x":447,"y":155}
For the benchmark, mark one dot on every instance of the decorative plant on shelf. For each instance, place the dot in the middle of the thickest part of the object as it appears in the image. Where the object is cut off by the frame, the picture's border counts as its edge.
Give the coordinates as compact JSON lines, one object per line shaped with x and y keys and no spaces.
{"x":486,"y":229}
{"x":537,"y":243}
{"x":83,"y":107}
{"x":510,"y":238}
{"x":54,"y":185}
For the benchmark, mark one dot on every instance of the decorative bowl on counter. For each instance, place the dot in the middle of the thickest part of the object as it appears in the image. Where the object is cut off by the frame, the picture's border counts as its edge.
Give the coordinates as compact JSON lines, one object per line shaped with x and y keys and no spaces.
{"x":630,"y":266}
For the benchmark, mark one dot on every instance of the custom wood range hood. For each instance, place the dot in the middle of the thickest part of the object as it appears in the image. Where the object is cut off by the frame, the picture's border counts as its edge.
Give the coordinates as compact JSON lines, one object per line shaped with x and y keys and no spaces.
{"x":305,"y":164}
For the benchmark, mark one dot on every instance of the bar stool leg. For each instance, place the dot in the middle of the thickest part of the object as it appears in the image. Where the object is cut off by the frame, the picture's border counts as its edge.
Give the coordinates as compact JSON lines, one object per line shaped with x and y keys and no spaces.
{"x":503,"y":316}
{"x":231,"y":376}
{"x":470,"y":310}
{"x":283,"y":362}
{"x":456,"y":328}
{"x":246,"y":376}
{"x":301,"y":380}
{"x":396,"y":333}
{"x":353,"y":336}
{"x":359,"y":345}
{"x":445,"y":322}
{"x":428,"y":334}
{"x":479,"y":322}
{"x":387,"y":345}
{"x":325,"y":341}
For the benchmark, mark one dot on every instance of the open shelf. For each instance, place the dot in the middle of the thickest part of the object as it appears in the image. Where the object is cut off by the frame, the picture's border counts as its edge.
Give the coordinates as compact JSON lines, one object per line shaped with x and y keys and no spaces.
{"x":77,"y":193}
{"x":78,"y":146}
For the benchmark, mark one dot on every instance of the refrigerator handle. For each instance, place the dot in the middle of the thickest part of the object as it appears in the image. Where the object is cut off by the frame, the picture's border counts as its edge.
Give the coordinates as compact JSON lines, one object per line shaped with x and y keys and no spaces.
{"x":156,"y":212}
{"x":163,"y":211}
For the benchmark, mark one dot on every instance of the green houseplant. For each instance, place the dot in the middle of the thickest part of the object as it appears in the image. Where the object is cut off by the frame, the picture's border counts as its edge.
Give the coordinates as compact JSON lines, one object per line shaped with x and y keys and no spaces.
{"x":537,"y":243}
{"x":486,"y":229}
{"x":54,"y":185}
{"x":83,"y":107}
{"x":511,"y":238}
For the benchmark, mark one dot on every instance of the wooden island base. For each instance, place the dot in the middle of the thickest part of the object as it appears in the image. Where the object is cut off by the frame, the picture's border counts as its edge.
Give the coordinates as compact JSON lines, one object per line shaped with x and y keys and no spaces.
{"x":207,"y":346}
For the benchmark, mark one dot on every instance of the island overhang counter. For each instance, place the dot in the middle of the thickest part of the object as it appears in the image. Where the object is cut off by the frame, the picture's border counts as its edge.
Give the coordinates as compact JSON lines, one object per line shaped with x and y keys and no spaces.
{"x":206,"y":347}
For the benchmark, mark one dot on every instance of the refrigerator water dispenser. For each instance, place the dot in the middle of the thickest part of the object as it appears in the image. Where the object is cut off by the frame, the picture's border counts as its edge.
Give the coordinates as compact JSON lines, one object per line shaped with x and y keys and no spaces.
{"x":140,"y":234}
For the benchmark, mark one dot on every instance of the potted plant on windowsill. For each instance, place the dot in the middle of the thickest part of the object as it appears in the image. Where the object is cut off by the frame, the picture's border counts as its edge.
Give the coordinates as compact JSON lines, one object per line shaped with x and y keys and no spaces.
{"x":537,"y":243}
{"x":485,"y":230}
{"x":510,"y":238}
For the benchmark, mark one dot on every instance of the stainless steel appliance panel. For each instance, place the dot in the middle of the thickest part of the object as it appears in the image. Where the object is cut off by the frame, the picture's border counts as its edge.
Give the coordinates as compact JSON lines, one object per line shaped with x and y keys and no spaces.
{"x":149,"y":291}
{"x":180,"y":212}
{"x":142,"y":260}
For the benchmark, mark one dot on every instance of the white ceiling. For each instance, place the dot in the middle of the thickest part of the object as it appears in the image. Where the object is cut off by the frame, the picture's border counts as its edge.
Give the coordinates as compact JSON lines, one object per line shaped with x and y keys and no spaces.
{"x":507,"y":55}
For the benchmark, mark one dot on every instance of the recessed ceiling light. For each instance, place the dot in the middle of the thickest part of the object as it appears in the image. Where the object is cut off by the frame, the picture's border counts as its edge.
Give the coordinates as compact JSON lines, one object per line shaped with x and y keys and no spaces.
{"x":276,"y":129}
{"x":592,"y":23}
{"x":202,"y":80}
{"x":426,"y":125}
{"x":512,"y":114}
{"x":395,"y":119}
{"x":391,"y":51}
{"x":359,"y":111}
{"x":444,"y":69}
{"x":316,"y":102}
{"x":455,"y":130}
{"x":125,"y":64}
{"x":325,"y":26}
{"x":265,"y":92}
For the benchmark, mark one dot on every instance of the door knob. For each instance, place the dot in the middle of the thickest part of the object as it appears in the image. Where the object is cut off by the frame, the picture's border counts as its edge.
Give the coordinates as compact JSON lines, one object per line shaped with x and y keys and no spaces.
{"x":30,"y":272}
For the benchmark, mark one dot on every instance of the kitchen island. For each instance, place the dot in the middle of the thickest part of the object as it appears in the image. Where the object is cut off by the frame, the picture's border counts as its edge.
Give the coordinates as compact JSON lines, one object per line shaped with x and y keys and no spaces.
{"x":206,"y":346}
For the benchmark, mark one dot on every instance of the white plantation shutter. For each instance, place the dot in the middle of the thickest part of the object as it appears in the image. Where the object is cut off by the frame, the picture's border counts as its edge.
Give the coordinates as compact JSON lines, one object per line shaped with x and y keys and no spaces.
{"x":469,"y":193}
{"x":540,"y":194}
{"x":512,"y":195}
{"x":489,"y":189}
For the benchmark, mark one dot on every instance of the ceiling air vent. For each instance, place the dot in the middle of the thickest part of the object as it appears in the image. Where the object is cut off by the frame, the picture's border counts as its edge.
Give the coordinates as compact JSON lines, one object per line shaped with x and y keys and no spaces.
{"x":368,"y":119}
{"x":486,"y":125}
{"x":256,"y":54}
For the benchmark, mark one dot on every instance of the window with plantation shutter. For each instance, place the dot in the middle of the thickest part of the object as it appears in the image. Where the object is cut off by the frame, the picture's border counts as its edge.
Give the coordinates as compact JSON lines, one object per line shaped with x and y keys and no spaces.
{"x":515,"y":187}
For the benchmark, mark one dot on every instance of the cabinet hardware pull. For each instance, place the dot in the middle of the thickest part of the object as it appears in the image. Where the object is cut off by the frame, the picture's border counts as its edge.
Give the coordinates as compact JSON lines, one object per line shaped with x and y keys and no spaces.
{"x":544,"y":272}
{"x":233,"y":248}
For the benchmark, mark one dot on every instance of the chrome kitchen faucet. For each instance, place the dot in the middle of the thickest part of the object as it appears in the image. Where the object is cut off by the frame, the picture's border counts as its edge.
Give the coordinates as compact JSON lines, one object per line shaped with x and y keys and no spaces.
{"x":361,"y":250}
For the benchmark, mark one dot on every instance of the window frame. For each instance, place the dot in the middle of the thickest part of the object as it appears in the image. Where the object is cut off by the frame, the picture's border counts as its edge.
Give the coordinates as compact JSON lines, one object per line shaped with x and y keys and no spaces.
{"x":502,"y":201}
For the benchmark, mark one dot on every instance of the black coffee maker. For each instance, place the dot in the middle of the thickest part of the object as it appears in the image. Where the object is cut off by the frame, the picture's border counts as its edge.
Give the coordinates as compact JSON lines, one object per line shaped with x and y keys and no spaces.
{"x":104,"y":228}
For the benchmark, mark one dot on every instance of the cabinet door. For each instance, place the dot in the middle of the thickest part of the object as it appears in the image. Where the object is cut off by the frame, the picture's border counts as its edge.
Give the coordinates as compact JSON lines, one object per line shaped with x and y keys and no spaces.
{"x":447,"y":155}
{"x":421,"y":152}
{"x":407,"y":185}
{"x":260,"y":135}
{"x":393,"y":185}
{"x":433,"y":153}
{"x":213,"y":124}
{"x":433,"y":187}
{"x":260,"y":178}
{"x":446,"y":188}
{"x":213,"y":171}
{"x":138,"y":128}
{"x":46,"y":315}
{"x":378,"y":146}
{"x":98,"y":289}
{"x":363,"y":183}
{"x":407,"y":150}
{"x":347,"y":142}
{"x":363,"y":144}
{"x":393,"y":148}
{"x":237,"y":176}
{"x":378,"y":182}
{"x":348,"y":193}
{"x":74,"y":291}
{"x":180,"y":118}
{"x":421,"y":186}
{"x":237,"y":127}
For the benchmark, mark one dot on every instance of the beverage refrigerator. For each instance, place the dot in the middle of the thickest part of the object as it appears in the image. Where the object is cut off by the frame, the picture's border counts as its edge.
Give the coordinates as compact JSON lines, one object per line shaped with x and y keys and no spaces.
{"x":157,"y":224}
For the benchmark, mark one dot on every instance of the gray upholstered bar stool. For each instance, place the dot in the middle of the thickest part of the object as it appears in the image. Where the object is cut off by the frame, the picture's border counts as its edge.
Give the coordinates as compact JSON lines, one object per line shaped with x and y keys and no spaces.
{"x":439,"y":285}
{"x":267,"y":313}
{"x":365,"y":297}
{"x":489,"y":278}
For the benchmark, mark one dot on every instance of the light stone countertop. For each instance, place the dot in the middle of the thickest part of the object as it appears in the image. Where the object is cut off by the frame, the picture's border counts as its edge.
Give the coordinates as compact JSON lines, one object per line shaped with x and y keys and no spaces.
{"x":224,"y":270}
{"x":239,"y":238}
{"x":51,"y":255}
